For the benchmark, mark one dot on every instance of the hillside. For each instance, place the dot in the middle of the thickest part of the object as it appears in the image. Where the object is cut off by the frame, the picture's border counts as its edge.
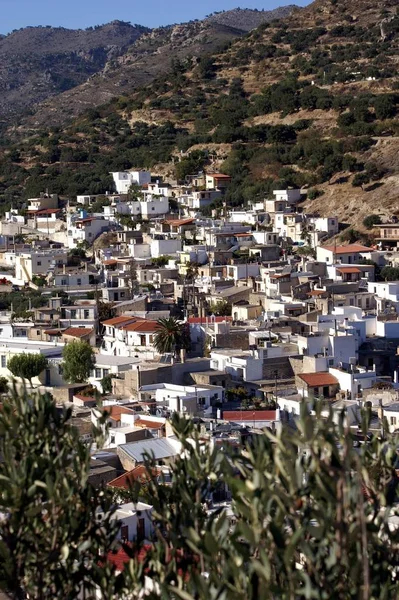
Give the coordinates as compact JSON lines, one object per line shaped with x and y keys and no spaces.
{"x":310,"y":101}
{"x":39,"y":62}
{"x":248,"y":19}
{"x":150,"y":56}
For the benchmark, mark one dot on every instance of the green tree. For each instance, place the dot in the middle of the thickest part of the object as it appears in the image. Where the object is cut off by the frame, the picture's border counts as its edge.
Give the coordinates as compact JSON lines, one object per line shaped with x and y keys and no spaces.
{"x":371,"y":220}
{"x":4,"y":385}
{"x":50,"y":540}
{"x":220,"y":308}
{"x":106,"y":384}
{"x":385,"y":106}
{"x":78,"y":252}
{"x":309,"y":515}
{"x":79,"y":361}
{"x":27,"y":366}
{"x":132,"y":279}
{"x":306,"y":251}
{"x":389,"y":274}
{"x":160,"y":261}
{"x":171,"y":336}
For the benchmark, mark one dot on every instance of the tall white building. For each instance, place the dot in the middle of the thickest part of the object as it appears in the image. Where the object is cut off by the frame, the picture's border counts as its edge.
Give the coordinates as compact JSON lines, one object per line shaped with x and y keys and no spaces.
{"x":124,"y":179}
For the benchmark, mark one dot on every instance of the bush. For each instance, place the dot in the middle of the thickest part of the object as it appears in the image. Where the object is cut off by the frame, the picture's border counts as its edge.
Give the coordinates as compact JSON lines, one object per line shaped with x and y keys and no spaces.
{"x":360,"y":179}
{"x":371,"y":220}
{"x":315,"y":193}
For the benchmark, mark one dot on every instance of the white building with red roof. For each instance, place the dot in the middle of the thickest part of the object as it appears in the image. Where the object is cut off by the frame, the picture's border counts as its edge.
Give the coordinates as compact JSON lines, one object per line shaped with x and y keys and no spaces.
{"x":129,"y":336}
{"x":350,"y":254}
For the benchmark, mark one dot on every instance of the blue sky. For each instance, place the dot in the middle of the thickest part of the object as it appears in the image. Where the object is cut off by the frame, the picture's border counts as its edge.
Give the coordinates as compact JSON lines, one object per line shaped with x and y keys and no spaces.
{"x":83,"y":13}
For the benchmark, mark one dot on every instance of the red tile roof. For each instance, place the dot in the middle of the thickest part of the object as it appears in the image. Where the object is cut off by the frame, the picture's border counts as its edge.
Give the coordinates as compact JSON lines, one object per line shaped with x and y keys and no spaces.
{"x":317,"y":292}
{"x":119,"y":320}
{"x":141,"y":326}
{"x":249,"y":415}
{"x":44,"y":211}
{"x":85,"y":398}
{"x":53,"y":331}
{"x":110,"y":261}
{"x":148,"y":423}
{"x":115,"y":412}
{"x":349,"y":270}
{"x":139,"y":473}
{"x":179,"y":222}
{"x":280,"y":275}
{"x":78,"y":331}
{"x":218,"y":176}
{"x":200,"y":320}
{"x":348,"y":249}
{"x":120,"y":558}
{"x":318,"y":379}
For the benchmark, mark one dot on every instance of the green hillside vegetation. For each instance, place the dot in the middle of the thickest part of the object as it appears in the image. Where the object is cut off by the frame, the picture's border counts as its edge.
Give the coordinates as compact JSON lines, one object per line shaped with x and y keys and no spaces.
{"x":291,"y":103}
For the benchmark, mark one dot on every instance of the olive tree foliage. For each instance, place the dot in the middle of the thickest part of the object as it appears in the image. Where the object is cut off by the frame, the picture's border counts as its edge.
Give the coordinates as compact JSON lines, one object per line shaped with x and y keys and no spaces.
{"x":27,"y":366}
{"x":51,"y":542}
{"x":310,"y":519}
{"x":79,"y":360}
{"x":310,"y":515}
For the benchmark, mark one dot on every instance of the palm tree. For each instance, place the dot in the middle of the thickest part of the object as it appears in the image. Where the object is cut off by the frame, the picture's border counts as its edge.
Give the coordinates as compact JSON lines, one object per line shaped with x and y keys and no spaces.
{"x":171,"y":336}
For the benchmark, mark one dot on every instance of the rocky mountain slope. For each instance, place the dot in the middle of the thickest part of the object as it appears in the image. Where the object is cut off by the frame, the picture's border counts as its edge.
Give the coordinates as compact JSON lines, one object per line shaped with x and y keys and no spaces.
{"x":149,"y":57}
{"x":40,"y":62}
{"x":248,"y":19}
{"x":310,"y":101}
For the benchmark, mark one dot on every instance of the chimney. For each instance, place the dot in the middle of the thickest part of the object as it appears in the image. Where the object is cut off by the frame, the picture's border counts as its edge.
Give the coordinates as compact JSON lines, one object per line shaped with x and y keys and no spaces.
{"x":64,"y":269}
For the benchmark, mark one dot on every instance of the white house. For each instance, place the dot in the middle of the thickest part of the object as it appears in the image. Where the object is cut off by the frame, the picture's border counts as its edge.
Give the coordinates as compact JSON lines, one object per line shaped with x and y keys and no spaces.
{"x":189,"y":399}
{"x":386,"y":295}
{"x":84,"y":229}
{"x":240,"y":365}
{"x":391,"y":413}
{"x":289,"y":196}
{"x":36,"y":262}
{"x":354,"y":381}
{"x":52,"y":376}
{"x":107,"y":365}
{"x":165,"y":247}
{"x":83,"y":313}
{"x":124,"y":180}
{"x":135,"y":523}
{"x":328,"y":225}
{"x":351,"y":254}
{"x":129,"y":336}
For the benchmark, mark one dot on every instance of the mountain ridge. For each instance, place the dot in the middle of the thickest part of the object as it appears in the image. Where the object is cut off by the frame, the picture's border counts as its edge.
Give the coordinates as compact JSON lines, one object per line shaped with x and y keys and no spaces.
{"x":66,"y":59}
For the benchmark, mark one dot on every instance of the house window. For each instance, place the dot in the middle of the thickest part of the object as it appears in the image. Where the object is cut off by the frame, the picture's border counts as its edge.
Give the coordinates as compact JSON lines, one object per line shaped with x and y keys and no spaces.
{"x":79,"y":282}
{"x":152,"y":208}
{"x":3,"y":361}
{"x":86,"y":314}
{"x":73,"y":314}
{"x":63,"y":281}
{"x":112,"y":439}
{"x":98,"y":373}
{"x":90,"y":234}
{"x":39,"y":263}
{"x":124,"y":532}
{"x":105,"y":372}
{"x":393,"y":420}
